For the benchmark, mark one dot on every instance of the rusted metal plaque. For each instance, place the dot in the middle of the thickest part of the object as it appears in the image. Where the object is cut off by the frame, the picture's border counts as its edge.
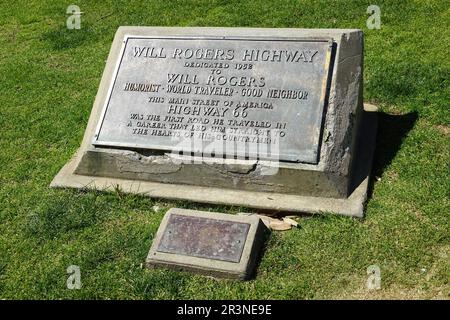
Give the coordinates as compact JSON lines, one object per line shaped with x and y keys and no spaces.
{"x":204,"y":238}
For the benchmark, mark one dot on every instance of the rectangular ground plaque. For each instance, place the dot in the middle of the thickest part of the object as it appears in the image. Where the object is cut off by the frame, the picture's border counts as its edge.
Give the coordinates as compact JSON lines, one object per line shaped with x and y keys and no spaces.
{"x":215,"y":244}
{"x":222,"y":95}
{"x":204,"y":238}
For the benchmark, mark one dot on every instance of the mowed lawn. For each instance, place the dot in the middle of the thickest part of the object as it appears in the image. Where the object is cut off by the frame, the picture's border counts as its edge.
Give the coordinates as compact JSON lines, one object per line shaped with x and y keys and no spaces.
{"x":49,"y":77}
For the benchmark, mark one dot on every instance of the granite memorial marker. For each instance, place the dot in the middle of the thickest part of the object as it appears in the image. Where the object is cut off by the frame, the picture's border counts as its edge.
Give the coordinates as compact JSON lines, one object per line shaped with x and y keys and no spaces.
{"x":264,"y":118}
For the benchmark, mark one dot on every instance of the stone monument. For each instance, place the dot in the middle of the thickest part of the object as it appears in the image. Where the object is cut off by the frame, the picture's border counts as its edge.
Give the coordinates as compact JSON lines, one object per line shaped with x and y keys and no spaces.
{"x":264,"y":118}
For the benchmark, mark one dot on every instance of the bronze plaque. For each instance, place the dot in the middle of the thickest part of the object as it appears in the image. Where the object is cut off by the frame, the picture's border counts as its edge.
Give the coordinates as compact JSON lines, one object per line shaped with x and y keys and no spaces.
{"x":233,"y":96}
{"x":204,"y":238}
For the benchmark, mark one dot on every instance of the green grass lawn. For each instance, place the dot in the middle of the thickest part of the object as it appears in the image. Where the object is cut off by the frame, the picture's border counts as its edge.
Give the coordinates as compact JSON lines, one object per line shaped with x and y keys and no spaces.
{"x":49,"y":77}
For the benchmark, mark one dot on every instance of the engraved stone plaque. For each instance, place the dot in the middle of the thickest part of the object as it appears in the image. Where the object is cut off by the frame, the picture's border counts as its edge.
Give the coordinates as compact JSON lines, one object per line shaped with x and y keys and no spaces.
{"x":204,"y":238}
{"x":255,"y":117}
{"x":247,"y":97}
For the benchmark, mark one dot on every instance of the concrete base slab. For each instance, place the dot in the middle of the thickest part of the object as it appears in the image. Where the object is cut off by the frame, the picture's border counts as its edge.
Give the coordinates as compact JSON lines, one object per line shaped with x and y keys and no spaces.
{"x":350,"y":206}
{"x":209,"y":243}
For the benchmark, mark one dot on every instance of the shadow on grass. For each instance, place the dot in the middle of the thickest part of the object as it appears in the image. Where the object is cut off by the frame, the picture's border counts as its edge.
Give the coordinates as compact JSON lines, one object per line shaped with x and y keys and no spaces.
{"x":392,"y":130}
{"x":263,"y":246}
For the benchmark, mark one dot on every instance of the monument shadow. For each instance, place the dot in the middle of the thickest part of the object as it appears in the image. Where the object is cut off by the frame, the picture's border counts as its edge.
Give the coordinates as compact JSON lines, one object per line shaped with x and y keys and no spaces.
{"x":392,"y":130}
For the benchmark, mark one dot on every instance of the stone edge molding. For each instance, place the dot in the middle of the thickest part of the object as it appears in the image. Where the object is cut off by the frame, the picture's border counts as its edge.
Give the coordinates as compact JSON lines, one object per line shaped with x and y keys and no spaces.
{"x":242,"y":270}
{"x":363,"y":150}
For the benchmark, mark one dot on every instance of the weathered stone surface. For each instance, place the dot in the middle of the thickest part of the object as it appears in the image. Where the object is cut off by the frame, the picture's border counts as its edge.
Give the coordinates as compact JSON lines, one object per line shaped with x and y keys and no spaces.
{"x":335,"y":174}
{"x":245,"y":175}
{"x":214,"y":244}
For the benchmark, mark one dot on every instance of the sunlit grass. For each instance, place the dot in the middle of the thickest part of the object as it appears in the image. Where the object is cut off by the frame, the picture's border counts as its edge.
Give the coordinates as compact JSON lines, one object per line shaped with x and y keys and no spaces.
{"x":49,"y":78}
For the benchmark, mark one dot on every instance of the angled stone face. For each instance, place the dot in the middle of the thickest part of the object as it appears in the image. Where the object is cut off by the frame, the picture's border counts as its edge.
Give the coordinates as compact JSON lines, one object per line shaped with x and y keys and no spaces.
{"x":237,"y":116}
{"x":214,"y":244}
